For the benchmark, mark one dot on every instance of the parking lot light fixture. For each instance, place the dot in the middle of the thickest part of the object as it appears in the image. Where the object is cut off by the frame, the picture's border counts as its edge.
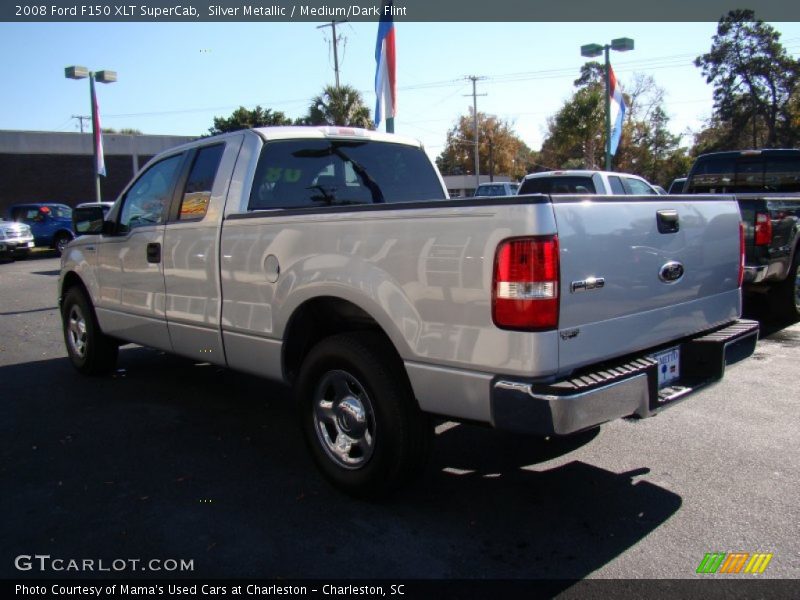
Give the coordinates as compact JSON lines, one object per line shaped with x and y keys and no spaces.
{"x":104,"y":76}
{"x":593,"y":50}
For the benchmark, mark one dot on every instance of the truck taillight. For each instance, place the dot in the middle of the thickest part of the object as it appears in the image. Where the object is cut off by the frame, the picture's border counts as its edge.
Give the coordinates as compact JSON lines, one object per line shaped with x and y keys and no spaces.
{"x":525,"y":284}
{"x":741,"y":253}
{"x":763,"y":235}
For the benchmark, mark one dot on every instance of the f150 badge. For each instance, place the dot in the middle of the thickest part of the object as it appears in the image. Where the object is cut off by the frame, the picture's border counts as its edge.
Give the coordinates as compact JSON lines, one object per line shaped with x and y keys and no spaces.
{"x":592,"y":283}
{"x":671,"y":272}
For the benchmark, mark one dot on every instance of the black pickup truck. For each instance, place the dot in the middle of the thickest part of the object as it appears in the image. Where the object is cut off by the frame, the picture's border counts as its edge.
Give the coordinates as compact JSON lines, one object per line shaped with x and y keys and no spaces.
{"x":766,"y":184}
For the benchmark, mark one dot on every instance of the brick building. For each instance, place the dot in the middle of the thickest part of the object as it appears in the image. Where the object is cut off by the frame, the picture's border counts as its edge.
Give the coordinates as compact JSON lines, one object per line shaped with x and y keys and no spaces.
{"x":40,"y":166}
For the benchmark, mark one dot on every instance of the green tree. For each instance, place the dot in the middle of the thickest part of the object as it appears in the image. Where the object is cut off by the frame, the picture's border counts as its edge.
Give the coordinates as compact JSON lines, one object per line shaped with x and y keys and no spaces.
{"x":341,"y":106}
{"x":243,"y":118}
{"x":754,"y":81}
{"x":501,"y":151}
{"x":575,"y":134}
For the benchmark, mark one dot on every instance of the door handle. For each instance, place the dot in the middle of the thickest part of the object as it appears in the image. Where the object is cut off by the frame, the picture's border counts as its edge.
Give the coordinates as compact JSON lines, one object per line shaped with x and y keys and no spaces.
{"x":154,"y":252}
{"x":667,"y":221}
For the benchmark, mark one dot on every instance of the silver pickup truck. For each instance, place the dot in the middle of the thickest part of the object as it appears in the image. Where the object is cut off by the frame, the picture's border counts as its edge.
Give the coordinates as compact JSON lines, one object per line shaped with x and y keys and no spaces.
{"x":332,"y":259}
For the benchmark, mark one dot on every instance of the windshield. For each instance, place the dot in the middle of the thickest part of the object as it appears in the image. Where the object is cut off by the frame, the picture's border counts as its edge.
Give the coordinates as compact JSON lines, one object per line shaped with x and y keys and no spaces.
{"x":308,"y":173}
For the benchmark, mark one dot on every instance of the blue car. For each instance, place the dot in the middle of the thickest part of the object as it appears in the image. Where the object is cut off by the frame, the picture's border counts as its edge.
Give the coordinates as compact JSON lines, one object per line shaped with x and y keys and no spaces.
{"x":50,"y":223}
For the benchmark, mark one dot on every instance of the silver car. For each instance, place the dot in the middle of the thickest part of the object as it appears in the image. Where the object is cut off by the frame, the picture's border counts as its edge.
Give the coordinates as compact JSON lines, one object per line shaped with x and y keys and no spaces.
{"x":16,"y":239}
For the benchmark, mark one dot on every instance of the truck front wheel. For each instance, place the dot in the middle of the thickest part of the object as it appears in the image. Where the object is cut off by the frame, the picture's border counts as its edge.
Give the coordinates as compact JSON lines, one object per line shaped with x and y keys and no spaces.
{"x":784,"y":297}
{"x":60,"y":243}
{"x":89,"y":349}
{"x":359,"y":416}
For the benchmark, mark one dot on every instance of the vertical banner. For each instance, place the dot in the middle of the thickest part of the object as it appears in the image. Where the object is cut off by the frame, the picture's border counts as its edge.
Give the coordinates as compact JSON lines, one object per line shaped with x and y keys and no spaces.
{"x":100,"y":167}
{"x":617,"y":108}
{"x":385,"y":69}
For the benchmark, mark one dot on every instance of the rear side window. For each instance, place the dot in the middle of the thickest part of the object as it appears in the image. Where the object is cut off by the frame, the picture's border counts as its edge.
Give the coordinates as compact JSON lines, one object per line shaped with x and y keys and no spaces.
{"x":616,"y":185}
{"x":567,"y":184}
{"x":314,"y":173}
{"x":197,"y":193}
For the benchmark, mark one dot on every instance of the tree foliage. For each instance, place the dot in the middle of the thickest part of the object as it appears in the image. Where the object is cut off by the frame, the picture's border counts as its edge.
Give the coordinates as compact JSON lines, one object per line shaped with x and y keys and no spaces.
{"x":243,"y":118}
{"x":500,"y":150}
{"x":123,"y":131}
{"x":755,"y":85}
{"x":341,"y":106}
{"x":576,"y":133}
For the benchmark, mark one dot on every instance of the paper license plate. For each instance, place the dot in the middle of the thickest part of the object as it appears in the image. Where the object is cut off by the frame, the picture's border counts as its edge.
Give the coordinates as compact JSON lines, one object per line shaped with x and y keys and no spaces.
{"x":669,"y":365}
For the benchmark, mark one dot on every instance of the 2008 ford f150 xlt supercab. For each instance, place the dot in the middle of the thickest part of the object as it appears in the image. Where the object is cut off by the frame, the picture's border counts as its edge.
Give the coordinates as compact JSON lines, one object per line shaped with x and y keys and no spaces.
{"x":332,"y":259}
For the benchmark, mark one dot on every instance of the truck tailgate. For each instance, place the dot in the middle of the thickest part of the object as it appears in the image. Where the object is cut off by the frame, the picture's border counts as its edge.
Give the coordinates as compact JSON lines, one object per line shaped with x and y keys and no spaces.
{"x":639,"y":272}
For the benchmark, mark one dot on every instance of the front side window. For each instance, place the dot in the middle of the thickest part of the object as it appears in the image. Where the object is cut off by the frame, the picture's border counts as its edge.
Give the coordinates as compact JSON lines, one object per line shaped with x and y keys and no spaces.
{"x":60,"y":211}
{"x":147,"y":200}
{"x":638,"y":187}
{"x":314,"y":173}
{"x":197,"y":193}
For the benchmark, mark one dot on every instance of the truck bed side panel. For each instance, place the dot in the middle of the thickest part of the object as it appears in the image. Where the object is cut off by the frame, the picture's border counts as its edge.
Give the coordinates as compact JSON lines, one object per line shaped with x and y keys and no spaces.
{"x":424,"y":274}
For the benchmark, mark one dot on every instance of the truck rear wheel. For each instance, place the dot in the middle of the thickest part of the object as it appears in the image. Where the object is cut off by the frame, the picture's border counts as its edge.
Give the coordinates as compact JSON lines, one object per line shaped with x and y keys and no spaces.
{"x":359,"y":416}
{"x":784,"y":298}
{"x":89,"y":349}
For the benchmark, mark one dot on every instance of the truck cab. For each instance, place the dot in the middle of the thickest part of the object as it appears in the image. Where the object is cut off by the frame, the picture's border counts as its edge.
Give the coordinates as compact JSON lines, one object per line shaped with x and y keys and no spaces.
{"x":604,"y":183}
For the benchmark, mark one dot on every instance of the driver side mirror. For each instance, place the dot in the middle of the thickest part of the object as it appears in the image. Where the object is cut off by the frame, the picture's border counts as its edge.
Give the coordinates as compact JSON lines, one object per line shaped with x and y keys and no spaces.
{"x":88,"y":220}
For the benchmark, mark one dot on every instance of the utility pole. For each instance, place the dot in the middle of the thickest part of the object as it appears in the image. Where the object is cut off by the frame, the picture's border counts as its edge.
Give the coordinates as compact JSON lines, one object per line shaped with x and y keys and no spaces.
{"x":491,"y":159}
{"x":81,"y":119}
{"x":332,"y":25}
{"x":475,"y":95}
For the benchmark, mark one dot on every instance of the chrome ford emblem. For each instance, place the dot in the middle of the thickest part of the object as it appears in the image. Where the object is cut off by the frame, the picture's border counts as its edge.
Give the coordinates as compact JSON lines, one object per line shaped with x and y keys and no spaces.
{"x":671,"y":272}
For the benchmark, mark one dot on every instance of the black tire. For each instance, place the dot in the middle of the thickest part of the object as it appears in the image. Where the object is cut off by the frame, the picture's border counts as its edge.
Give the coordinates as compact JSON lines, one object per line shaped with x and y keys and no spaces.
{"x":60,"y":242}
{"x":89,"y":349}
{"x":784,"y":298}
{"x":352,"y":389}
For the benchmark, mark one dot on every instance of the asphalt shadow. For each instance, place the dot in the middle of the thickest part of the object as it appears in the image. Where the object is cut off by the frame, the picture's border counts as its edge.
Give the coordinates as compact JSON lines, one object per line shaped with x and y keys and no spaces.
{"x":167,"y":458}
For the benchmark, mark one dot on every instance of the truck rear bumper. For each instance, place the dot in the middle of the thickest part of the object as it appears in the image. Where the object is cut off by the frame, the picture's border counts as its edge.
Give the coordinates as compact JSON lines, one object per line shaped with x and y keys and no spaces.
{"x":624,"y":388}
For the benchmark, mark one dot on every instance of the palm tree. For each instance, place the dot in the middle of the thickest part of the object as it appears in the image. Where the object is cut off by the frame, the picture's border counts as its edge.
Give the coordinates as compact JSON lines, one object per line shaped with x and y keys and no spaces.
{"x":342,"y":106}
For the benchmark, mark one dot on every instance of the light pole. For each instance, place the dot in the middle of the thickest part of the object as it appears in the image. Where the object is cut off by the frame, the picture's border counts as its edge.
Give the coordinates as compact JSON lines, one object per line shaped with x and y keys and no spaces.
{"x":105,"y":76}
{"x":592,"y":50}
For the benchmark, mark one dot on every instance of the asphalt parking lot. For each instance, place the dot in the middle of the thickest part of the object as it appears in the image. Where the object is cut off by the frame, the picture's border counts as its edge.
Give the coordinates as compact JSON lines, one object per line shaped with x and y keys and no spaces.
{"x":167,"y":459}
